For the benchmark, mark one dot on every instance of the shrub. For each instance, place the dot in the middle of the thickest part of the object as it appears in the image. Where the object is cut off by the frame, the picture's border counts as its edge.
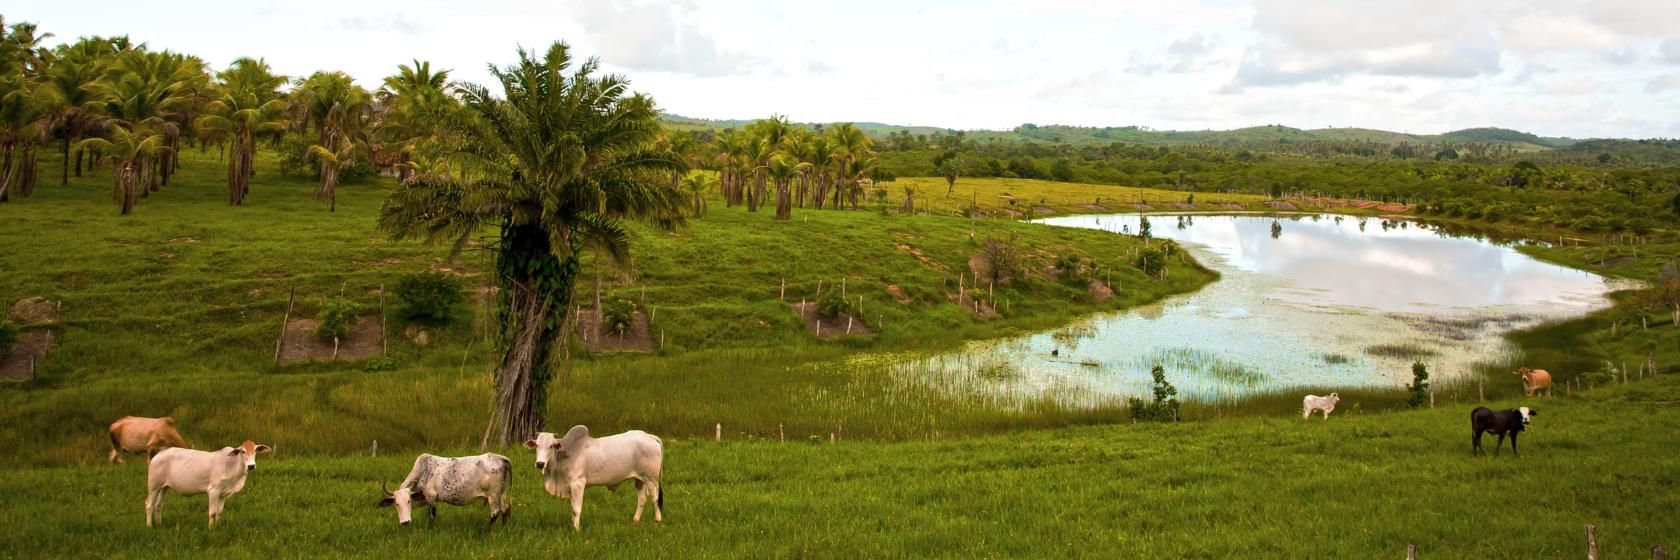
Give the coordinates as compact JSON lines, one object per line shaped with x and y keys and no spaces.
{"x":1069,"y":266}
{"x":831,"y":304}
{"x":8,"y":334}
{"x":382,"y":363}
{"x":1420,"y":385}
{"x":1164,"y":404}
{"x":295,"y":161}
{"x":618,"y":314}
{"x":428,"y":296}
{"x":1152,"y":261}
{"x":336,"y":318}
{"x":1003,"y":260}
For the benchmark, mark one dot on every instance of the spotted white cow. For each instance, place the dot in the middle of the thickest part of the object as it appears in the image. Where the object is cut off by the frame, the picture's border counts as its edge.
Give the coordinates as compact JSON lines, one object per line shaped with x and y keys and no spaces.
{"x":190,"y":472}
{"x":456,"y":481}
{"x":576,"y":461}
{"x":1314,"y":403}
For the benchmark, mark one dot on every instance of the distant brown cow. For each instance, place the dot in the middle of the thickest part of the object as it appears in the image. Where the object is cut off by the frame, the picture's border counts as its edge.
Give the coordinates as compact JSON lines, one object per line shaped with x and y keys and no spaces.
{"x":1535,"y":381}
{"x":133,"y":434}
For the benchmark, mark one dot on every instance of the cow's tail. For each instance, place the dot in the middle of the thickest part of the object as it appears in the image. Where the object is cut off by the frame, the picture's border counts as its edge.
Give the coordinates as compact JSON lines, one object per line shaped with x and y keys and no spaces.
{"x":659,"y":496}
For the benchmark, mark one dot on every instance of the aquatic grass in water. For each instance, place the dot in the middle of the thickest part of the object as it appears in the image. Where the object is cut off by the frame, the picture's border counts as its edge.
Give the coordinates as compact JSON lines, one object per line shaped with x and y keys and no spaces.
{"x":1195,"y":361}
{"x":1404,"y":351}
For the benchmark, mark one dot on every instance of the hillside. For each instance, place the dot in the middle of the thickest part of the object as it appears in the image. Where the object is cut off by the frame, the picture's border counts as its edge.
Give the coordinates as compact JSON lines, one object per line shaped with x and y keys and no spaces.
{"x":1267,"y":135}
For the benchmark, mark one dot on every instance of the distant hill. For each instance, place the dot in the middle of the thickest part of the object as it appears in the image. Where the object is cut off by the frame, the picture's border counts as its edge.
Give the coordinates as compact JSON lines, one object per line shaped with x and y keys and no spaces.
{"x":1267,"y":135}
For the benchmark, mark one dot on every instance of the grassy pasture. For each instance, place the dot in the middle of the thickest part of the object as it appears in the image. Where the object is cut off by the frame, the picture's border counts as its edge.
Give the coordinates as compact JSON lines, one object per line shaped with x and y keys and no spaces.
{"x":993,"y":197}
{"x":1360,"y":485}
{"x":174,"y":310}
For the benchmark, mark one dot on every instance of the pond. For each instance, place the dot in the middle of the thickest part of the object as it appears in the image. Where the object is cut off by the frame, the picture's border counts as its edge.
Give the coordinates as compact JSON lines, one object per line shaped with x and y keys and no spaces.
{"x":1305,"y":302}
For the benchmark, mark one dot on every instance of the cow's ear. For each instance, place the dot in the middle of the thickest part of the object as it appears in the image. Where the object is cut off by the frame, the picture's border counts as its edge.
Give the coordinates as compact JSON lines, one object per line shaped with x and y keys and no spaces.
{"x":530,"y":444}
{"x":1532,"y":412}
{"x":235,"y":451}
{"x":388,"y":501}
{"x":264,"y":449}
{"x":417,"y":495}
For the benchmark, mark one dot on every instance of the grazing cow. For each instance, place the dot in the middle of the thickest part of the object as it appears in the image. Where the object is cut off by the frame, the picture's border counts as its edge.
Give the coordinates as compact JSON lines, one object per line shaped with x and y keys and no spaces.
{"x":1535,"y":381}
{"x":133,"y":434}
{"x":1314,"y":403}
{"x":458,"y":481}
{"x":1503,"y":422}
{"x":190,"y":472}
{"x":576,"y":461}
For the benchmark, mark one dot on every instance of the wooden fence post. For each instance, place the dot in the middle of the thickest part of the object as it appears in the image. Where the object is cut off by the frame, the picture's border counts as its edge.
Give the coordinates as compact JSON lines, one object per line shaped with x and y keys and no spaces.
{"x":281,"y":339}
{"x":783,"y":295}
{"x":1592,"y":542}
{"x":1411,"y":552}
{"x":384,"y":347}
{"x":1480,"y":395}
{"x":1657,"y":553}
{"x":781,"y":433}
{"x":718,"y":436}
{"x":374,"y":451}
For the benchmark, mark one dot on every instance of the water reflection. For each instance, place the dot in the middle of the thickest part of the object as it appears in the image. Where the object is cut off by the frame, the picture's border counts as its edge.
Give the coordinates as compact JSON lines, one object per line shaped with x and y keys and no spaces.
{"x":1303,"y":302}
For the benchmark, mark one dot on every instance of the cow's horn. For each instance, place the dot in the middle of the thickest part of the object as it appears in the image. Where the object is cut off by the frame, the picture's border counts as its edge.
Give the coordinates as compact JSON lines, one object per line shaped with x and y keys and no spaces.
{"x":382,"y":486}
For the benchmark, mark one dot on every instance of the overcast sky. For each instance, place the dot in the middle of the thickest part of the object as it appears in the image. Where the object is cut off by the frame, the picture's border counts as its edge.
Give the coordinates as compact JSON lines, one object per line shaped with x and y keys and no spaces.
{"x":1557,"y":68}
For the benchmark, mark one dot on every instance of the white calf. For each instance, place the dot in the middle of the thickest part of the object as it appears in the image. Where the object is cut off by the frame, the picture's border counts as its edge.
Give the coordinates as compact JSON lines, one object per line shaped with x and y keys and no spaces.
{"x":1313,"y":403}
{"x":190,"y":472}
{"x":572,"y":463}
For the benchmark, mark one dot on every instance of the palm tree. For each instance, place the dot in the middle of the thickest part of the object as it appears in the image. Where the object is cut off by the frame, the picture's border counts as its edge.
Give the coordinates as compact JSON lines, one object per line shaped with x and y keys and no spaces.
{"x":130,"y":151}
{"x":560,"y":161}
{"x":247,"y":104}
{"x":24,"y":122}
{"x":142,"y":89}
{"x":415,"y":103}
{"x":696,"y":186}
{"x":334,"y":162}
{"x":782,"y":170}
{"x":335,"y":107}
{"x":72,"y":83}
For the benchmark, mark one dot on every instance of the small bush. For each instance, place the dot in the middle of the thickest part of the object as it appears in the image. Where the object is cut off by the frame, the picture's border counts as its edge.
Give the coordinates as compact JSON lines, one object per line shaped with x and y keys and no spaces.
{"x":1420,"y":385}
{"x":618,"y":314}
{"x":1069,"y":266}
{"x":428,"y":296}
{"x":831,"y":304}
{"x":336,"y":318}
{"x":1163,"y":407}
{"x":8,"y":334}
{"x":382,"y":363}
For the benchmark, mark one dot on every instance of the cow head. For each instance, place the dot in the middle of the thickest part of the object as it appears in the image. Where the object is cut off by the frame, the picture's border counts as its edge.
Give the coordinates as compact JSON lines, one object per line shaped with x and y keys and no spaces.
{"x":1527,"y":414}
{"x":1521,"y":372}
{"x":403,"y":499}
{"x":1335,"y":397}
{"x":249,"y":451}
{"x":553,"y":450}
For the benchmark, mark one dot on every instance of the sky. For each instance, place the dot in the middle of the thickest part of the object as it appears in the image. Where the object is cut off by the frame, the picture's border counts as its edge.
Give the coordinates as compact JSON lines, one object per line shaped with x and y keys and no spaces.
{"x":1602,"y":68}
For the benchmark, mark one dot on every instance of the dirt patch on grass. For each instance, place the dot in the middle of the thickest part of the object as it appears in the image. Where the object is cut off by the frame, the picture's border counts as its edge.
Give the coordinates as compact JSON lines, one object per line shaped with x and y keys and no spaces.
{"x":72,"y":279}
{"x":20,"y":361}
{"x":1393,"y":207}
{"x":1100,"y":291}
{"x":898,"y":294}
{"x":1010,"y":213}
{"x":1094,"y":207}
{"x":1043,"y":210}
{"x":979,"y":308}
{"x":926,"y":260}
{"x":34,"y":312}
{"x":1280,"y":205}
{"x":1143,"y":207}
{"x":830,"y":329}
{"x":1184,"y":206}
{"x":187,"y":239}
{"x":599,"y":339}
{"x":1231,"y":206}
{"x":299,"y":343}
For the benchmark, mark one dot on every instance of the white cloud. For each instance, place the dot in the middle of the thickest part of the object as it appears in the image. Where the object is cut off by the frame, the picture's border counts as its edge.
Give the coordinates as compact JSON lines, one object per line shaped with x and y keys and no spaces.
{"x":1664,"y":83}
{"x":645,"y":35}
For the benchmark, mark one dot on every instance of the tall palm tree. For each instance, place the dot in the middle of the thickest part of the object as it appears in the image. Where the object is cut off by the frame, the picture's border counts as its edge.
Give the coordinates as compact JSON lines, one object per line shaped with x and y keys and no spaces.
{"x":696,"y":187}
{"x":562,"y":158}
{"x":334,"y":162}
{"x":131,"y":151}
{"x":415,"y":102}
{"x":76,"y":98}
{"x":247,"y":104}
{"x":332,"y":104}
{"x":24,"y":120}
{"x":782,"y":169}
{"x":142,"y":89}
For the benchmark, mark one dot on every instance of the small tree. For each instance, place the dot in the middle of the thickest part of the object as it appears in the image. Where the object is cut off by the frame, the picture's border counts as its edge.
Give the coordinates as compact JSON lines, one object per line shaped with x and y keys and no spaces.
{"x":1002,"y":259}
{"x":1164,"y":404}
{"x":830,"y":305}
{"x":1152,"y":262}
{"x":336,"y":318}
{"x":618,"y":315}
{"x":1420,"y":385}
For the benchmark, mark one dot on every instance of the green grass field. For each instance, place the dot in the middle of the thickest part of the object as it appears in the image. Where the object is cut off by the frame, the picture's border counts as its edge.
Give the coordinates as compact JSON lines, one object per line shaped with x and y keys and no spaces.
{"x":1356,"y":486}
{"x":174,"y":311}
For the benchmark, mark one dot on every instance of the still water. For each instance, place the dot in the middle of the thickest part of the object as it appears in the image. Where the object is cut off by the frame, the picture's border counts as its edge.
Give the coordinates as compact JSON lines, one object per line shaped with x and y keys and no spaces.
{"x":1304,"y":303}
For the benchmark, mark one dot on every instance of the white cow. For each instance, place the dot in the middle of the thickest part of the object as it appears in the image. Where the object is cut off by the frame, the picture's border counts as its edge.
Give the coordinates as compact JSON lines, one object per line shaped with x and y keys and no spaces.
{"x":458,"y":481}
{"x":189,"y":472}
{"x":576,"y":461}
{"x":1313,"y":403}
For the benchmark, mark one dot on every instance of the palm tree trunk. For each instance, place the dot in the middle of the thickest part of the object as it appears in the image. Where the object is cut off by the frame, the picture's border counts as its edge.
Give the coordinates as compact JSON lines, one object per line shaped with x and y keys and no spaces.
{"x":527,"y":300}
{"x":64,"y":176}
{"x":6,"y":176}
{"x":26,"y":171}
{"x":784,"y":206}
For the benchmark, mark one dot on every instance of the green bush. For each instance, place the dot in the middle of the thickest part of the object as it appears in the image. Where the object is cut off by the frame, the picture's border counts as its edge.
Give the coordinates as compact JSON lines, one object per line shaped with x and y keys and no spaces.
{"x":1163,"y":407}
{"x":1420,"y":385}
{"x":295,"y":161}
{"x":831,"y":304}
{"x":428,"y":296}
{"x":618,"y":315}
{"x":382,"y":363}
{"x":8,"y":334}
{"x":336,"y":318}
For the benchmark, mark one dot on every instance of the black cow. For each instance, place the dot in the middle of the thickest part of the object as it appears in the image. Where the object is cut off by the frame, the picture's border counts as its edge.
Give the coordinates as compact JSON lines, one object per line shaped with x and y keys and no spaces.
{"x":1503,"y":422}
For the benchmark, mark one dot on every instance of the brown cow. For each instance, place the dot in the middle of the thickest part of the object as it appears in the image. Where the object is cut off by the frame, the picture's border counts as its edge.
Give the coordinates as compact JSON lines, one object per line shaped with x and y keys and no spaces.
{"x":134,"y":434}
{"x":1535,"y":381}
